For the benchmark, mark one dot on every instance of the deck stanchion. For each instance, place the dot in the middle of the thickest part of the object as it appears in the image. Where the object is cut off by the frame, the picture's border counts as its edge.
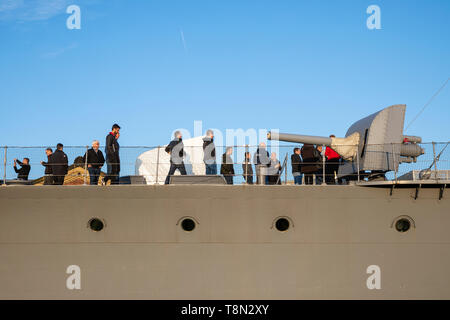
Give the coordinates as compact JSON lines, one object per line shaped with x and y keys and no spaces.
{"x":4,"y":167}
{"x":85,"y":166}
{"x":357,"y":164}
{"x":323,"y":164}
{"x":285,"y":168}
{"x":435,"y":160}
{"x":157,"y":166}
{"x":394,"y":163}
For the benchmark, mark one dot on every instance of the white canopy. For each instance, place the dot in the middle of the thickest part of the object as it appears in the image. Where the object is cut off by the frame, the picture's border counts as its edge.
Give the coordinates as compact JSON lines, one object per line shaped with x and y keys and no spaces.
{"x":154,"y":164}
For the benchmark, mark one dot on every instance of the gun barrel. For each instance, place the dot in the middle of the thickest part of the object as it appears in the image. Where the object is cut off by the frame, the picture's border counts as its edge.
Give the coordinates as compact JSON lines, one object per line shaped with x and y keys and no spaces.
{"x":297,"y":138}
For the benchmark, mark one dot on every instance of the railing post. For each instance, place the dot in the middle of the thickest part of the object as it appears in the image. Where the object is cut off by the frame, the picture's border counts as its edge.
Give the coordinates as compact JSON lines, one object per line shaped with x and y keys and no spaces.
{"x":157,"y":166}
{"x":85,"y":166}
{"x":4,"y":167}
{"x":246,"y":165}
{"x":435,"y":161}
{"x":323,"y":164}
{"x":285,"y":168}
{"x":357,"y":164}
{"x":394,"y":163}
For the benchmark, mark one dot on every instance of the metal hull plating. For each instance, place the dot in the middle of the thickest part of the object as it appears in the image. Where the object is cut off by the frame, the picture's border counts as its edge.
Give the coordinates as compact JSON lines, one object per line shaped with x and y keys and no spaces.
{"x":235,"y":252}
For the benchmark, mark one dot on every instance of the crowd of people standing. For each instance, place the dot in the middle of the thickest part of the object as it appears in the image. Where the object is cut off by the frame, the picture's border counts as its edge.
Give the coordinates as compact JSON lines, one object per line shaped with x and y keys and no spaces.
{"x":307,"y":162}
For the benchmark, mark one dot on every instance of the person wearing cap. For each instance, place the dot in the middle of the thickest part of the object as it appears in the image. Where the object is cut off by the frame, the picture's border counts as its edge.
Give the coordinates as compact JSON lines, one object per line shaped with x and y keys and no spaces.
{"x":176,"y":150}
{"x":112,"y":155}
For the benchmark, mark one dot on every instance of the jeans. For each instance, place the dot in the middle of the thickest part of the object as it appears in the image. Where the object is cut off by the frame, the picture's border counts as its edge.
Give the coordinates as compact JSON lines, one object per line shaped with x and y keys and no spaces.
{"x":211,"y":169}
{"x":173,"y":168}
{"x":298,"y":179}
{"x":94,"y":174}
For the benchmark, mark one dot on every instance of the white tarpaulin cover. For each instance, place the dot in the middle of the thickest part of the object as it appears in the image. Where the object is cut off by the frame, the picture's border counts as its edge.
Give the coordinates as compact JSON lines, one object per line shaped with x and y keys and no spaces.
{"x":154,"y":165}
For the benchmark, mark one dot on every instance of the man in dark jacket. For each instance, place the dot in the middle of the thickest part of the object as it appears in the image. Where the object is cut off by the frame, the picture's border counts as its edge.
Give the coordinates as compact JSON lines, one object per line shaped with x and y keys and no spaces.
{"x":296,"y":162}
{"x":23,"y":172}
{"x":247,"y":168}
{"x":48,"y":178}
{"x":176,"y":151}
{"x":60,"y":165}
{"x":112,"y":155}
{"x":261,"y":160}
{"x":94,"y":161}
{"x":311,"y":162}
{"x":209,"y":153}
{"x":320,"y":165}
{"x":227,"y":168}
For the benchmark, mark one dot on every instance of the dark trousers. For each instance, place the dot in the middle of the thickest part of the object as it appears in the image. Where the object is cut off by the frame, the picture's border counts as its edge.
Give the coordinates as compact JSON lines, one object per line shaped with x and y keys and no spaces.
{"x":112,"y":172}
{"x":309,"y":178}
{"x":331,"y":166}
{"x":228,"y":178}
{"x":319,"y":177}
{"x":94,"y":175}
{"x":173,"y":168}
{"x":58,"y":180}
{"x":48,"y":179}
{"x":248,"y":178}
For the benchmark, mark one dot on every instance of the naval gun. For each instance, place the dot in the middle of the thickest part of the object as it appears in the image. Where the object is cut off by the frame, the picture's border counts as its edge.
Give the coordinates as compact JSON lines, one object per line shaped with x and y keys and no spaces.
{"x":372,"y":146}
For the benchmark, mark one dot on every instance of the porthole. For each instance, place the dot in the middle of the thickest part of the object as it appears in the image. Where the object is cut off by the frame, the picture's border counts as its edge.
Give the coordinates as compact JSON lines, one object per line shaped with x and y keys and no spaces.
{"x":282,"y":224}
{"x":96,"y":224}
{"x":402,"y":225}
{"x":188,"y":224}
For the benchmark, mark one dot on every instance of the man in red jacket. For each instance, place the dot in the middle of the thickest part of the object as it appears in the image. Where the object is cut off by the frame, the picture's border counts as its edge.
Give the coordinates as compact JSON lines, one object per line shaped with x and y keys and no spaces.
{"x":332,"y":164}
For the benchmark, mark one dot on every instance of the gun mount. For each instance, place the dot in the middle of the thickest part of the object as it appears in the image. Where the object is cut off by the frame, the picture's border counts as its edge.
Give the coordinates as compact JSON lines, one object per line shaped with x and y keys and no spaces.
{"x":375,"y":143}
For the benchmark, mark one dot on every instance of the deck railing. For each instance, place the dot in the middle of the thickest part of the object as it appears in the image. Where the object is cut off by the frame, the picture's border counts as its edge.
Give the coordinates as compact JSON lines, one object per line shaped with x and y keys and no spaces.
{"x":152,"y":162}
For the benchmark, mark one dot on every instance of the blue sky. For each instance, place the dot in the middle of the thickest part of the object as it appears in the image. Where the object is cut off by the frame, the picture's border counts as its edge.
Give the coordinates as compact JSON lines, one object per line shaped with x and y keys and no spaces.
{"x":309,"y":67}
